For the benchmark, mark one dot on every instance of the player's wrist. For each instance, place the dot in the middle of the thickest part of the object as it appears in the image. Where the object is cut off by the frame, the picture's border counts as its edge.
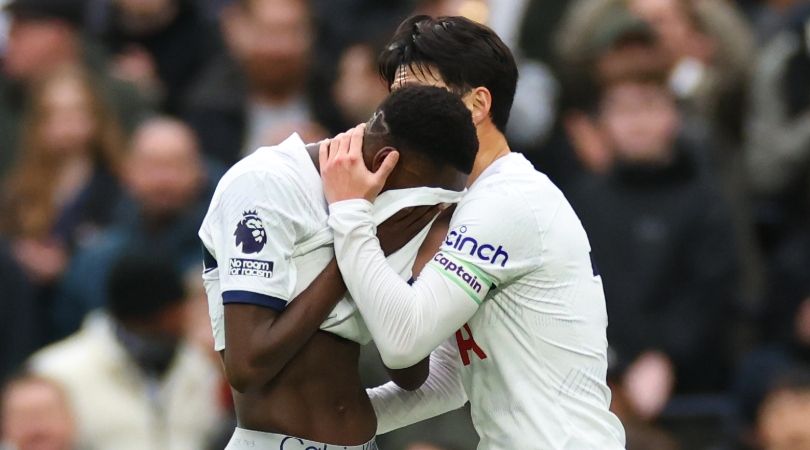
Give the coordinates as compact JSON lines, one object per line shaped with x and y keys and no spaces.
{"x":351,"y":205}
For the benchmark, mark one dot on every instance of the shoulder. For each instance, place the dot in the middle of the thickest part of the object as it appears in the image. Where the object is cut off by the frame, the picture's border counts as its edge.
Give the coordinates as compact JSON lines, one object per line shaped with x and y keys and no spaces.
{"x":511,"y":199}
{"x":64,"y":358}
{"x":269,"y":172}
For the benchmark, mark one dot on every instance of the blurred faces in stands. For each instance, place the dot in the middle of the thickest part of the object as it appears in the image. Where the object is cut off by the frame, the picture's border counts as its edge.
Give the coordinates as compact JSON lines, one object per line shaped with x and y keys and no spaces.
{"x":71,"y":143}
{"x":272,"y":41}
{"x":147,"y":299}
{"x":70,"y":122}
{"x":42,"y":36}
{"x":637,"y":113}
{"x":785,"y":414}
{"x":35,"y":415}
{"x":164,"y":169}
{"x":358,"y":88}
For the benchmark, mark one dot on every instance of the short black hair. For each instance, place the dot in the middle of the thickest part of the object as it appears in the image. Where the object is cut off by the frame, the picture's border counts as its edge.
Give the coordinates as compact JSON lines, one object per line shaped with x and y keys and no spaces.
{"x":141,"y":285}
{"x":430,"y":121}
{"x":465,"y":53}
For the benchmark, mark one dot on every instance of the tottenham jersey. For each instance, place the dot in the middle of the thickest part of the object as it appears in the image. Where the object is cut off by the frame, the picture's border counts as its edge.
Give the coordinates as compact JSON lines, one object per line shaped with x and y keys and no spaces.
{"x":534,"y":355}
{"x":265,"y":236}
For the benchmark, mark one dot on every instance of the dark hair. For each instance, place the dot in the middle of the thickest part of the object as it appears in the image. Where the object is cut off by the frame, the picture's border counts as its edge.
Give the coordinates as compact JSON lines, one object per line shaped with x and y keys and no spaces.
{"x":140,"y":286}
{"x":465,"y":53}
{"x":430,"y":121}
{"x":634,"y":63}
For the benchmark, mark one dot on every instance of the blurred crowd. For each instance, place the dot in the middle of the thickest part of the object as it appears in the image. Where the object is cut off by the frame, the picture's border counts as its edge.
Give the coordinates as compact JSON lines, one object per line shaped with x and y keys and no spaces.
{"x":678,"y":129}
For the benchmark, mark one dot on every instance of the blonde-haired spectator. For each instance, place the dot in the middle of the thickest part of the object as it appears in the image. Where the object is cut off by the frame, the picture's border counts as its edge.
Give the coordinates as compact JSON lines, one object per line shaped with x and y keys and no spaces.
{"x":65,"y":184}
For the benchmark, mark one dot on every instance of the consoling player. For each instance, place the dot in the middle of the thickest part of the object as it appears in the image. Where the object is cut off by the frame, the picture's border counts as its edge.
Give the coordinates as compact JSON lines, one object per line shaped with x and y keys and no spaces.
{"x":288,"y":337}
{"x":511,"y":299}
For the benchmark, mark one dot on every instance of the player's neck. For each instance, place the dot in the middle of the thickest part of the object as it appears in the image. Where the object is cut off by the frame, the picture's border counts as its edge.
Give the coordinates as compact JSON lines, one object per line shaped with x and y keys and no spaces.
{"x":492,"y":145}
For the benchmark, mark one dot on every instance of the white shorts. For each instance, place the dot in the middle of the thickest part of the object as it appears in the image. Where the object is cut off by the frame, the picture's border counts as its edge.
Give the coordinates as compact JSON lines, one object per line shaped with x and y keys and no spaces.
{"x":256,"y":440}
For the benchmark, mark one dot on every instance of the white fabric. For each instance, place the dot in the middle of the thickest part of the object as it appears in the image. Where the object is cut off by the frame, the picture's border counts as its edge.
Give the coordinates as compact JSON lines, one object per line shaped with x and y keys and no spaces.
{"x":282,"y":185}
{"x":442,"y":392}
{"x":116,"y":407}
{"x":534,"y":355}
{"x":243,"y":439}
{"x":410,"y":322}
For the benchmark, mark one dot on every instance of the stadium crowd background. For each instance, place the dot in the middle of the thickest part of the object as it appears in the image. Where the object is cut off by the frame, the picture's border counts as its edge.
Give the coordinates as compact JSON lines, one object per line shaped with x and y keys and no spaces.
{"x":678,"y":129}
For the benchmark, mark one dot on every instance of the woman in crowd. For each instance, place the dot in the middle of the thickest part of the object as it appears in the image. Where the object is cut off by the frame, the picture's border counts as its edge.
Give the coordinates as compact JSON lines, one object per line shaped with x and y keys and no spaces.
{"x":65,"y":185}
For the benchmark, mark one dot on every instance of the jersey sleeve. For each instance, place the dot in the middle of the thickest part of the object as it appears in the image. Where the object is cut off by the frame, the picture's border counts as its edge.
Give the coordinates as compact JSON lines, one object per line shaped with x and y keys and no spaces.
{"x":253,"y":241}
{"x":407,"y":322}
{"x":442,"y":392}
{"x":493,"y":239}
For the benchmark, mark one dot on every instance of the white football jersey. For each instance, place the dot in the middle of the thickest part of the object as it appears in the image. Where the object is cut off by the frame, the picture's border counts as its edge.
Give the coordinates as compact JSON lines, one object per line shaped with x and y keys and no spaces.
{"x":534,"y":356}
{"x":265,"y":236}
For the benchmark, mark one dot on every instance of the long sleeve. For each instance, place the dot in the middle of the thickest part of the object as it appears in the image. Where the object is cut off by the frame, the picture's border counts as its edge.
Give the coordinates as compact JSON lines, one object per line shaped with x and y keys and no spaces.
{"x":407,"y":322}
{"x":442,"y":392}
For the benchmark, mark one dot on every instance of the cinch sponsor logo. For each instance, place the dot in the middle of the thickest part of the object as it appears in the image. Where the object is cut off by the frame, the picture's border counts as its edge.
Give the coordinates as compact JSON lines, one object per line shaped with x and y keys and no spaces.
{"x":450,"y":266}
{"x":251,"y":268}
{"x":468,"y":244}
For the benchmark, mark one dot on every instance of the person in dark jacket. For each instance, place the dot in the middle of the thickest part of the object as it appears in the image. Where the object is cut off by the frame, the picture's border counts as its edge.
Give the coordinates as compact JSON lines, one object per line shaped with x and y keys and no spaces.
{"x":661,"y":235}
{"x":160,"y":45}
{"x":19,"y":328}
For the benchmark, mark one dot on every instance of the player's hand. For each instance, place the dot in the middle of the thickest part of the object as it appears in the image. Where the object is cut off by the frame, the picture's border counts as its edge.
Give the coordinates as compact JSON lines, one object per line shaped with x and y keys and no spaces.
{"x":403,"y":226}
{"x":344,"y":173}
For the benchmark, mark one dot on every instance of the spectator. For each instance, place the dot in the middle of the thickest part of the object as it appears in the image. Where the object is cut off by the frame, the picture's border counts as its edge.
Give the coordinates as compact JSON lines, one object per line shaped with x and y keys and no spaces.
{"x":661,"y":235}
{"x":168,"y":188}
{"x":710,"y":42}
{"x":44,"y":37}
{"x":784,"y":325}
{"x":784,"y":416}
{"x":133,"y":380}
{"x":20,"y":329}
{"x":259,"y":94}
{"x":159,"y":45}
{"x":65,"y":186}
{"x":36,"y":415}
{"x":533,"y":111}
{"x":641,"y":432}
{"x":358,"y":88}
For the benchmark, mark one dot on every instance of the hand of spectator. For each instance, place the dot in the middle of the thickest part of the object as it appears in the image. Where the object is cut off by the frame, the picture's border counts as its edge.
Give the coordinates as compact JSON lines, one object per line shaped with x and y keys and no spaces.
{"x":403,"y":226}
{"x":344,"y":172}
{"x":43,"y":260}
{"x":649,"y":382}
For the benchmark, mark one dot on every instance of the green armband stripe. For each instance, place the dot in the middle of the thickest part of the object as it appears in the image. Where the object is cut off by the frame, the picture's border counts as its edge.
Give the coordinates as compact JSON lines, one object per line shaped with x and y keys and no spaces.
{"x":458,"y":282}
{"x":478,"y":273}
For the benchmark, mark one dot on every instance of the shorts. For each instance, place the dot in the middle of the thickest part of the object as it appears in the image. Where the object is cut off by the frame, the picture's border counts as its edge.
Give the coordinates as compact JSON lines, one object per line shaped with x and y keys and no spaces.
{"x":257,"y":440}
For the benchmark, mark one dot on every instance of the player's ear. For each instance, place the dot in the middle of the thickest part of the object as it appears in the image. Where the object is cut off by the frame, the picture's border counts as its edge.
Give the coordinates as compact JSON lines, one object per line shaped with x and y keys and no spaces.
{"x":380,"y":156}
{"x":479,"y":101}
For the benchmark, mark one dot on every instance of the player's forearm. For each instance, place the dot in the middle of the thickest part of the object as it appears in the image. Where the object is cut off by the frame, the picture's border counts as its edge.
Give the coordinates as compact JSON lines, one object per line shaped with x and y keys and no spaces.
{"x":406,"y":322}
{"x":442,"y":392}
{"x":272,"y":344}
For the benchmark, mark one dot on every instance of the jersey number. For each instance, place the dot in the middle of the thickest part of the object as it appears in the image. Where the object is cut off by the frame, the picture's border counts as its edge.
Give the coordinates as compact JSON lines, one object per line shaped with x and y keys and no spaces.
{"x":467,"y":344}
